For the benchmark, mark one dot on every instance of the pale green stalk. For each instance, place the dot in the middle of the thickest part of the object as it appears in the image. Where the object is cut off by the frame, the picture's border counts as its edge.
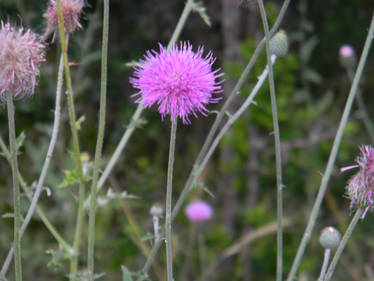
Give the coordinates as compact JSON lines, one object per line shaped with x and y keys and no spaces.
{"x":326,"y":259}
{"x":169,"y":193}
{"x":16,"y":192}
{"x":342,"y":243}
{"x":278,"y":155}
{"x":47,"y":161}
{"x":39,"y":211}
{"x":334,"y":151}
{"x":76,"y":149}
{"x":99,"y":143}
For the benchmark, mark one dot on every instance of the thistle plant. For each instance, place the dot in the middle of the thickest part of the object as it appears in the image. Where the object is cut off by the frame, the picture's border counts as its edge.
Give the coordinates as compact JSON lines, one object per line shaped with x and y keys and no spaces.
{"x":180,"y":82}
{"x":21,"y":52}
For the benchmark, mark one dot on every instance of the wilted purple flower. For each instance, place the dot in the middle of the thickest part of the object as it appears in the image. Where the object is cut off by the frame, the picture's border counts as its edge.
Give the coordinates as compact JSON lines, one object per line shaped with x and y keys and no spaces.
{"x":198,"y":211}
{"x":180,"y":81}
{"x":71,"y":9}
{"x":20,"y":53}
{"x":360,"y":188}
{"x":346,"y":51}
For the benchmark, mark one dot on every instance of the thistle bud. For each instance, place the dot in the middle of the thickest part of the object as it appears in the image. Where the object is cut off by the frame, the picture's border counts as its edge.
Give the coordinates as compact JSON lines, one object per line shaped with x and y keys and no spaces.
{"x":329,"y":238}
{"x":278,"y":44}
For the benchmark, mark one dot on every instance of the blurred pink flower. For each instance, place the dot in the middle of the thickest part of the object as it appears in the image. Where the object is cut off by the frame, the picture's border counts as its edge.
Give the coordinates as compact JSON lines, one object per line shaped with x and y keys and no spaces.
{"x":71,"y":9}
{"x":346,"y":51}
{"x":198,"y":211}
{"x":20,"y":53}
{"x":360,"y":188}
{"x":181,"y":82}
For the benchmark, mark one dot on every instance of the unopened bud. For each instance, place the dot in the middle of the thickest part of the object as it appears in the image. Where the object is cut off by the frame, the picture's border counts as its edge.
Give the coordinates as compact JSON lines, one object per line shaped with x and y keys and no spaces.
{"x":156,"y":211}
{"x":278,"y":44}
{"x":330,"y":238}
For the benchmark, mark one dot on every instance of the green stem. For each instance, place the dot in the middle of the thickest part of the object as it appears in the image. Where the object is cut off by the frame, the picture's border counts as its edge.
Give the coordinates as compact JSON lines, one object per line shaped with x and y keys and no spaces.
{"x":334,"y":151}
{"x":278,"y":155}
{"x":43,"y":174}
{"x":169,"y":192}
{"x":99,"y":143}
{"x":74,"y":131}
{"x":182,"y":20}
{"x":342,"y":243}
{"x":325,"y":263}
{"x":16,"y":192}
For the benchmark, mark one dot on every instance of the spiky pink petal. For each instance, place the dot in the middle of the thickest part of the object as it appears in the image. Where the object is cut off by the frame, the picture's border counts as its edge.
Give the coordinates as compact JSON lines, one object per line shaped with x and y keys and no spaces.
{"x":360,"y":188}
{"x":181,"y":82}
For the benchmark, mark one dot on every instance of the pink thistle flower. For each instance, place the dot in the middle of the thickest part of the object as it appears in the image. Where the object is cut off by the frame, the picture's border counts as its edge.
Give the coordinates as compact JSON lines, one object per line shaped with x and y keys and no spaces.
{"x":71,"y":9}
{"x":198,"y":211}
{"x":20,"y":53}
{"x":360,"y":188}
{"x":346,"y":51}
{"x":181,"y":82}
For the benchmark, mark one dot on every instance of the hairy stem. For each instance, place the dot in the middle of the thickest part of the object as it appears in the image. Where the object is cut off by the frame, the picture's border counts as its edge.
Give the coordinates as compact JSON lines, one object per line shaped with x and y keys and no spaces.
{"x":334,"y":151}
{"x":169,"y":192}
{"x":16,"y":192}
{"x":76,"y":148}
{"x":99,"y":143}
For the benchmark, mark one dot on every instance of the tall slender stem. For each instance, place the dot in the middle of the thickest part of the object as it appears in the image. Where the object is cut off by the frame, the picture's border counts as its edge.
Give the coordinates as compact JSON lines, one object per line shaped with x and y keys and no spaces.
{"x":278,"y":156}
{"x":342,"y":243}
{"x":47,"y":161}
{"x":16,"y":192}
{"x":169,"y":192}
{"x":99,"y":143}
{"x":326,"y":259}
{"x":334,"y":151}
{"x":74,"y":130}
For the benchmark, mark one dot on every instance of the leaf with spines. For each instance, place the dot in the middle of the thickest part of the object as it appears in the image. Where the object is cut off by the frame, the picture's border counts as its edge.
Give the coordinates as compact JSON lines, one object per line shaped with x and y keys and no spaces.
{"x":200,"y":8}
{"x":126,"y":274}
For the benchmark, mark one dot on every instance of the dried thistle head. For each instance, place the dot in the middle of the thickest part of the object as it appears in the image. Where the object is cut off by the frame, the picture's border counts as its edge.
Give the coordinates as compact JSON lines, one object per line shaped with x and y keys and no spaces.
{"x":20,"y":53}
{"x":71,"y":10}
{"x":360,"y":188}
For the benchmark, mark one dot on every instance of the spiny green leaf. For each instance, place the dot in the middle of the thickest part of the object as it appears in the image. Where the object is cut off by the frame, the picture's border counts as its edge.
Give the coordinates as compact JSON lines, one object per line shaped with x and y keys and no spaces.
{"x":71,"y":178}
{"x":20,"y":140}
{"x":200,"y":8}
{"x":79,"y":122}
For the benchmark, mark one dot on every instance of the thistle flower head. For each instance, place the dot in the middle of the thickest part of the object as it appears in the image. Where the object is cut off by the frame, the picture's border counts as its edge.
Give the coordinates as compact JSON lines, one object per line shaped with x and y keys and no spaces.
{"x":360,"y":188}
{"x":198,"y":211}
{"x":181,"y":82}
{"x":347,"y":56}
{"x":346,"y":51}
{"x":71,"y":9}
{"x":20,"y":53}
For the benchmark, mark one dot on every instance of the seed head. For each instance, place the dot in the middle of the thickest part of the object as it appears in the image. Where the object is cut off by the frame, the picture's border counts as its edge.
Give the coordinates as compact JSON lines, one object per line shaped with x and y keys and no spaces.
{"x":360,"y":188}
{"x":71,"y":9}
{"x":329,"y":238}
{"x":181,"y":82}
{"x":20,"y":53}
{"x":198,"y":211}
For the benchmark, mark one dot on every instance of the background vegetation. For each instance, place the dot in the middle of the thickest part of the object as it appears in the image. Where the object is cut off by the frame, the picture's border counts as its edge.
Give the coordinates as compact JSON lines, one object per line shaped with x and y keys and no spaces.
{"x":311,"y":87}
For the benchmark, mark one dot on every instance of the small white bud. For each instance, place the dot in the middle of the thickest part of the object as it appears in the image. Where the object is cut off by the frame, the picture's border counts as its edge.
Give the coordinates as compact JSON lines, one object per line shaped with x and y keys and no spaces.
{"x":330,"y":238}
{"x":278,"y":44}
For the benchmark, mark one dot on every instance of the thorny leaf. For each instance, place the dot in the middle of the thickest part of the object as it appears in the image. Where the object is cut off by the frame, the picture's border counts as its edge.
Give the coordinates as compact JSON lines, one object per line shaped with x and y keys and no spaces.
{"x":126,"y":274}
{"x":200,"y":8}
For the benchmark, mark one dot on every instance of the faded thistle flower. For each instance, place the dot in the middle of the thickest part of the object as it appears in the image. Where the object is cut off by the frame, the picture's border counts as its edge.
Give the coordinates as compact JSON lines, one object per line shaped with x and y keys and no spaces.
{"x":347,"y":56}
{"x":71,"y":9}
{"x":20,"y":53}
{"x":198,"y":211}
{"x":360,"y":188}
{"x":180,"y":81}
